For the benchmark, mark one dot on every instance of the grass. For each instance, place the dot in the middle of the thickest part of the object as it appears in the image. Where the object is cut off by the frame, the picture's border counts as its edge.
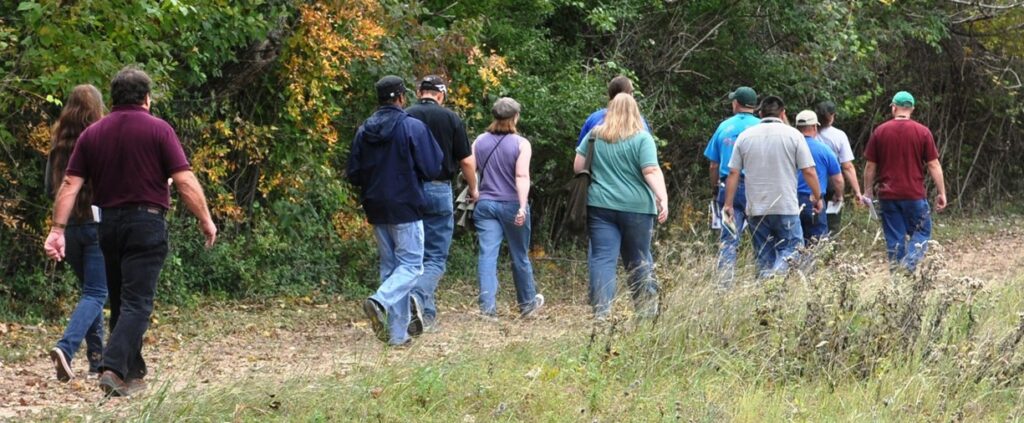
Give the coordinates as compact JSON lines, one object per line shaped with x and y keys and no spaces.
{"x":849,"y":343}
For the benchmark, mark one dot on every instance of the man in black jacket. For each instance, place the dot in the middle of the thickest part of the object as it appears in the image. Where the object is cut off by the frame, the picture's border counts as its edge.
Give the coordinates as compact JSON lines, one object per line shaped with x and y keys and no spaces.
{"x":391,"y":156}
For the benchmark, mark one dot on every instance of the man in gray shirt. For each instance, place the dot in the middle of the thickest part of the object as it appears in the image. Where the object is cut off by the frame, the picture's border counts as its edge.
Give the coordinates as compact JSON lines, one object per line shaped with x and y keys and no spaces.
{"x":769,"y":154}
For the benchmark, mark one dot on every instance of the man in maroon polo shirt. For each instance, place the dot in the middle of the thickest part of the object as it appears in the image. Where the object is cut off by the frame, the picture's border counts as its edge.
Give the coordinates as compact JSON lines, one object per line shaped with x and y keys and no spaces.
{"x":898,"y":153}
{"x":128,"y":155}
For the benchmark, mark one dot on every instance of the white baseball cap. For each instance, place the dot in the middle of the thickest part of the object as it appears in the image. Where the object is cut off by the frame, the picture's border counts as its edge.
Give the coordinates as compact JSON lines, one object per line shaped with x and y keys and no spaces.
{"x":806,"y":118}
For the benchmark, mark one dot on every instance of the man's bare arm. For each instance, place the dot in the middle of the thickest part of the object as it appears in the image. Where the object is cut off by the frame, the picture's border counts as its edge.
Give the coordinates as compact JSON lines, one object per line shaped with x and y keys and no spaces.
{"x":192,"y":194}
{"x":713,"y":170}
{"x":935,"y":171}
{"x":55,"y":243}
{"x":850,"y":172}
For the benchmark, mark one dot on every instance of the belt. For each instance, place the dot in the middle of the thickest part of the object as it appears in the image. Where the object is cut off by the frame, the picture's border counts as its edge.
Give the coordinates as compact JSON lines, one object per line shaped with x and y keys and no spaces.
{"x":136,"y":207}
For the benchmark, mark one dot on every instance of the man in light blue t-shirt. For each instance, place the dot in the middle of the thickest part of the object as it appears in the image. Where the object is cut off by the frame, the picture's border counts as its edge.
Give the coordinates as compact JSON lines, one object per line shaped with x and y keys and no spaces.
{"x":826,"y":165}
{"x":719,"y":152}
{"x":618,"y":84}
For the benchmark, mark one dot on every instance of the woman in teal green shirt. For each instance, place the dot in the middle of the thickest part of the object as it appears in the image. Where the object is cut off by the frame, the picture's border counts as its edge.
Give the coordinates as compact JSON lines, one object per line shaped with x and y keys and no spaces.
{"x":626,"y":195}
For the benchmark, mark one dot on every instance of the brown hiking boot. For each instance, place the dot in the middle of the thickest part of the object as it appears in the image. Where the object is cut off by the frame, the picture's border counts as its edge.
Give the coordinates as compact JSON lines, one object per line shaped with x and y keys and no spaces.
{"x":60,"y":362}
{"x":137,"y":386}
{"x":112,"y":385}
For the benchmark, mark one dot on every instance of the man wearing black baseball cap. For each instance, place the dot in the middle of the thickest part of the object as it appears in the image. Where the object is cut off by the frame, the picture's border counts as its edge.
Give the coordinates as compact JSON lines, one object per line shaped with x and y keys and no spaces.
{"x":391,"y":156}
{"x":438,"y":217}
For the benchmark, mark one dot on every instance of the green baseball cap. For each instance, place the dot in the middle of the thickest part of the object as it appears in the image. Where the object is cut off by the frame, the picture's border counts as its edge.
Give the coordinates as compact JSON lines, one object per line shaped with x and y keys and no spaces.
{"x":745,"y":96}
{"x":903,"y":99}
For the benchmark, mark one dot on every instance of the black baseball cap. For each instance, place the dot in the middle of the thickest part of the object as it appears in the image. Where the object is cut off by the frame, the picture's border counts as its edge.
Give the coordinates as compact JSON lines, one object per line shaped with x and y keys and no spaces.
{"x":389,"y":87}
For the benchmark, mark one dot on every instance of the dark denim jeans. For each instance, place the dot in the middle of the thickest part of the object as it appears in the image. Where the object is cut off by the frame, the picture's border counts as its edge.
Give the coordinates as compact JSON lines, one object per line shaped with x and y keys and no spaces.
{"x":438,"y":226}
{"x":907,"y":225}
{"x":134,"y":244}
{"x":776,"y":239}
{"x":814,"y":225}
{"x":729,"y":241}
{"x":86,"y":322}
{"x":614,"y":234}
{"x":495,"y":220}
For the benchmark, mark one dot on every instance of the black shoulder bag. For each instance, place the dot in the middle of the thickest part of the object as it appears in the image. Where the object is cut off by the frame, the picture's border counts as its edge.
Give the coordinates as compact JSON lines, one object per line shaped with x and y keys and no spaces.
{"x":578,"y":187}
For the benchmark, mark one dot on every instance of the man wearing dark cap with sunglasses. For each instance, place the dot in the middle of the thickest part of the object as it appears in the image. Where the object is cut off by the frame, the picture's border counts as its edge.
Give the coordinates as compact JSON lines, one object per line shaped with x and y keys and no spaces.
{"x":391,"y":156}
{"x":438,"y":216}
{"x":837,"y":140}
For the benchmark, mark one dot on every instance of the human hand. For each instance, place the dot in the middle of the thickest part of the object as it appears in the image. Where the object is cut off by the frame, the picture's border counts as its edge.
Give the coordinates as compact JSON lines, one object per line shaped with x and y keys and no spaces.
{"x":819,"y":206}
{"x":520,"y":217}
{"x":940,"y":202}
{"x":662,"y":211}
{"x":54,"y":245}
{"x":473,"y":194}
{"x":866,"y":200}
{"x":210,"y":231}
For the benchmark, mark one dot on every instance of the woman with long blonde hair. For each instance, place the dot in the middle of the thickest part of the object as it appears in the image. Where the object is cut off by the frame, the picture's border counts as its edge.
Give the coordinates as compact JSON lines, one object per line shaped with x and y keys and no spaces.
{"x":82,"y":249}
{"x":626,"y":195}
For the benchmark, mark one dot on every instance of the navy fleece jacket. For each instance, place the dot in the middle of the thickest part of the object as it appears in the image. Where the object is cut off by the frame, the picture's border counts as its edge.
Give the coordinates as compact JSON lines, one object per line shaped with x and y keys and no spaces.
{"x":390,"y":157}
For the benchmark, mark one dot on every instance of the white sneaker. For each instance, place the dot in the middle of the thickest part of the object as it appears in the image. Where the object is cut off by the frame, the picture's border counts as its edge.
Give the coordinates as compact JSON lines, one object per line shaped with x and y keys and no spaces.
{"x":538,"y":302}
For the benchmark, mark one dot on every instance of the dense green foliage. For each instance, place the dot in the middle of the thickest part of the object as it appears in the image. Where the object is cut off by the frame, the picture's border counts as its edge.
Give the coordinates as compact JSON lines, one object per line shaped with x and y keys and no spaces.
{"x":266,"y":94}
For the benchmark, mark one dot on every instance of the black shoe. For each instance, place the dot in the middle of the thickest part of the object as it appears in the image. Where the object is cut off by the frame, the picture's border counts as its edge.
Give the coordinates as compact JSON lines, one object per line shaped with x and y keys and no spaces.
{"x":416,"y":320}
{"x":60,"y":361}
{"x":378,"y":318}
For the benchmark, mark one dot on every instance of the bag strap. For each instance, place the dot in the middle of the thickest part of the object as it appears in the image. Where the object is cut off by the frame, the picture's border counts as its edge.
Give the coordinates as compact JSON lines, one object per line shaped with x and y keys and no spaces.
{"x":590,"y":153}
{"x":488,"y":159}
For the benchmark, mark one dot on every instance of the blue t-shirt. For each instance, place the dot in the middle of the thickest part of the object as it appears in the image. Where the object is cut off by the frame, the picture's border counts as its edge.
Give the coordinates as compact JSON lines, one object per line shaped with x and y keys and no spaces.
{"x":720,"y":146}
{"x":825,"y":164}
{"x":597,"y":118}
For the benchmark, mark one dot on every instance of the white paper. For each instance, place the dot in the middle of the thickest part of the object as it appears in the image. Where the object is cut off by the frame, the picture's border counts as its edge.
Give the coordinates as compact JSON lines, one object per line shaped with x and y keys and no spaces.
{"x":716,"y":215}
{"x":96,"y":214}
{"x":834,"y":207}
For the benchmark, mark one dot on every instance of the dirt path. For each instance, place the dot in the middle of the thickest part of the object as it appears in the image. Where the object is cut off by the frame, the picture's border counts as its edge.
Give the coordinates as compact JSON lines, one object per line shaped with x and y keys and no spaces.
{"x":282,"y":340}
{"x":270,"y":342}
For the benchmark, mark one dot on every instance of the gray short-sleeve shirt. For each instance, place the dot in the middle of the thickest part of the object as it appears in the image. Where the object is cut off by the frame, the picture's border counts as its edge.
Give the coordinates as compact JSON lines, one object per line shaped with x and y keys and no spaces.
{"x":770,"y":154}
{"x":837,"y":140}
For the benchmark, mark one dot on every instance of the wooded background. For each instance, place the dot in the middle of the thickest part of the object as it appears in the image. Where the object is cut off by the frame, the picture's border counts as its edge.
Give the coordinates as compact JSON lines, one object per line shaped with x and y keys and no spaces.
{"x":266,"y":96}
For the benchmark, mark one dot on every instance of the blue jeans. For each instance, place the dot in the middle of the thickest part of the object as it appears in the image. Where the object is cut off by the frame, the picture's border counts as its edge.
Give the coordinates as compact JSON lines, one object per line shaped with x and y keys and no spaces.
{"x":614,"y":234}
{"x":776,"y":239}
{"x":86,"y":259}
{"x":134,"y":244}
{"x":438,"y":226}
{"x":729,"y":242}
{"x":495,"y":220}
{"x":814,"y":225}
{"x":401,"y":262}
{"x":902,"y":219}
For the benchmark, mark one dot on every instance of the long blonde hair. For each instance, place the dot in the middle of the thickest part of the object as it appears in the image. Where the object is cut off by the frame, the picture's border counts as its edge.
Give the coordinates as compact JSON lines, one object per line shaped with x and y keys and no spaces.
{"x":622,"y":120}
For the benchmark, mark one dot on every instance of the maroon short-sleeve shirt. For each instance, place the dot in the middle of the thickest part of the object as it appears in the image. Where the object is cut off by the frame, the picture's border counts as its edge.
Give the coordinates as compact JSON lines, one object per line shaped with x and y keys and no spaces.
{"x":900,"y":148}
{"x":128,"y":155}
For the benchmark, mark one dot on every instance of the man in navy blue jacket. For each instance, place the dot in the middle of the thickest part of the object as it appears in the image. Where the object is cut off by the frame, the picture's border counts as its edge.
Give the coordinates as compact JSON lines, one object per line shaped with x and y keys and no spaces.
{"x":391,"y":156}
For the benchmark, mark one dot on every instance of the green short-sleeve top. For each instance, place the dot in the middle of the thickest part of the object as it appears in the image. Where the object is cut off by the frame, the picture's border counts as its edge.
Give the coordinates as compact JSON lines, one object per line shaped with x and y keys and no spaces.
{"x":617,"y":173}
